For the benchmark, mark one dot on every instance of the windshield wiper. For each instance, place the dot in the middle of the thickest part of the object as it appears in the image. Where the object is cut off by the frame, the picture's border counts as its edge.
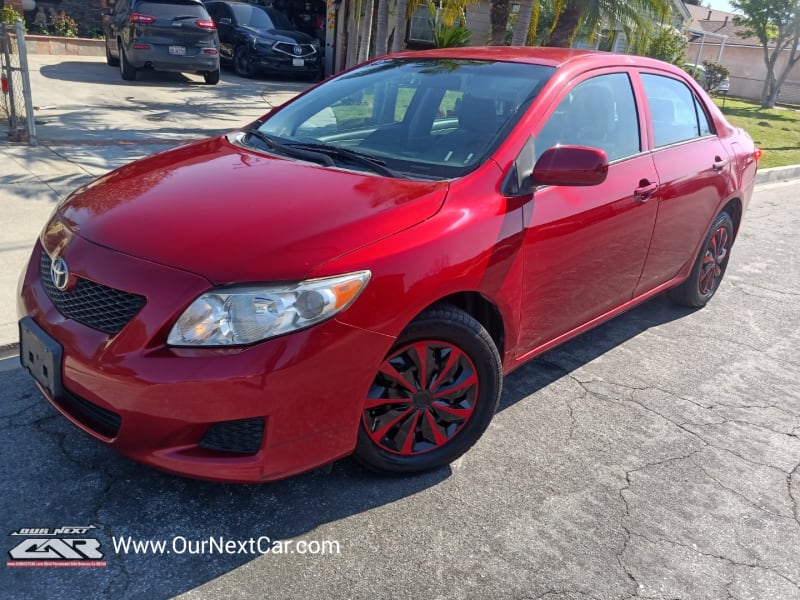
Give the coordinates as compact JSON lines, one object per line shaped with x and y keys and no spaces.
{"x":374,"y":164}
{"x":317,"y":157}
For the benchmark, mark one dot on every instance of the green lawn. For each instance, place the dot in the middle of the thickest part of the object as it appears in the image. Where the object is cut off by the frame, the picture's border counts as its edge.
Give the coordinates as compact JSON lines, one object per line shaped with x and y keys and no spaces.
{"x":776,"y":131}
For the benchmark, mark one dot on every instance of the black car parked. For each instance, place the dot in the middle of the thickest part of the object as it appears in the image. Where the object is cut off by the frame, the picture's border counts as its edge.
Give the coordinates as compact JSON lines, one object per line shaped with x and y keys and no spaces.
{"x":255,"y":39}
{"x":163,"y":35}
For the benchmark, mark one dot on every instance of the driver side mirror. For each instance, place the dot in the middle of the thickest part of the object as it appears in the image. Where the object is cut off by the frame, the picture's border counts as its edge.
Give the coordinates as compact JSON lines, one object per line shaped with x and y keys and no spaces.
{"x":571,"y":165}
{"x":558,"y":165}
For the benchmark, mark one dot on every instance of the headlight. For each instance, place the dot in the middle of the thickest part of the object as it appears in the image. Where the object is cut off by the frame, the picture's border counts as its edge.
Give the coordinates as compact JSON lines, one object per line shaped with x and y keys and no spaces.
{"x":246,"y":314}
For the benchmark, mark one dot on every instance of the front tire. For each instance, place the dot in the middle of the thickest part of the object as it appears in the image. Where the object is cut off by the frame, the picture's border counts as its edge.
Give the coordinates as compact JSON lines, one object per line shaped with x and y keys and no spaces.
{"x":433,"y":396}
{"x":709,"y":266}
{"x":126,"y":69}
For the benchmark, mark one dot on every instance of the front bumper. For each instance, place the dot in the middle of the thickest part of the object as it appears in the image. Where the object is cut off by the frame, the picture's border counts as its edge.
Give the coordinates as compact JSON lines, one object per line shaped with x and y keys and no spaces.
{"x":270,"y":60}
{"x":307,"y":388}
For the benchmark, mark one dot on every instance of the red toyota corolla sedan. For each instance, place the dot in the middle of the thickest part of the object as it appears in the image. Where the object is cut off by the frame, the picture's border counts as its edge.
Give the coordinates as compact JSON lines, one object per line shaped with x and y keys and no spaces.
{"x":356,"y":271}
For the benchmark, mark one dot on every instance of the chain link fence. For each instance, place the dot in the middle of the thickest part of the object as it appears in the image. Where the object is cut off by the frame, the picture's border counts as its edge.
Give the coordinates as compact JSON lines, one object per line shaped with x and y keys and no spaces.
{"x":790,"y":93}
{"x":16,"y":106}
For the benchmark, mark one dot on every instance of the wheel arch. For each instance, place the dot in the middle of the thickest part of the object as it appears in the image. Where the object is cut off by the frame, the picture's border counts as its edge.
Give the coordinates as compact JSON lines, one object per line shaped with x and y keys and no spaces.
{"x":734,"y":209}
{"x":482,"y":310}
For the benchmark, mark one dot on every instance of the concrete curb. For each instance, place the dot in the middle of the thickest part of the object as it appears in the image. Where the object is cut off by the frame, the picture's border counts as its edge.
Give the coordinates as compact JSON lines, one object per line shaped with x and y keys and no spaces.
{"x":777,"y":174}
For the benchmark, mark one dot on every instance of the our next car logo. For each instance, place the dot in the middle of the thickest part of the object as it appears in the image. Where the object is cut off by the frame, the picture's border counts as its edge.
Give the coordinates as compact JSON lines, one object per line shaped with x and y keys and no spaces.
{"x":59,"y":547}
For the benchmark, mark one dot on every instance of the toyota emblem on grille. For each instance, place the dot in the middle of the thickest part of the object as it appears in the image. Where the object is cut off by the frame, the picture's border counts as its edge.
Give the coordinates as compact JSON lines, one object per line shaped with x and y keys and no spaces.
{"x":298,"y":50}
{"x":59,"y":274}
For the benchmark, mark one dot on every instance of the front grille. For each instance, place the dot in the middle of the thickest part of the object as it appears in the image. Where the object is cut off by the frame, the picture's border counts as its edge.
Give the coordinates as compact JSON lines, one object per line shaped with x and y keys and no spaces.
{"x":97,"y":418}
{"x":89,"y":303}
{"x":242,"y":436}
{"x":306,"y":50}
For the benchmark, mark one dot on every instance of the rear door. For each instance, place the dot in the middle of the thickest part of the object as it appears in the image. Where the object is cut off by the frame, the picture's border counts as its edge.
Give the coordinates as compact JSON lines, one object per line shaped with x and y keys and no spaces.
{"x":585,"y":247}
{"x":694,"y":171}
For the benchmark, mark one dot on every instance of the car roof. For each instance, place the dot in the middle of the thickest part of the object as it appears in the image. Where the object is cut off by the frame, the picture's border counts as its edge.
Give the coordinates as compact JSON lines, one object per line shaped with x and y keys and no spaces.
{"x":553,"y":57}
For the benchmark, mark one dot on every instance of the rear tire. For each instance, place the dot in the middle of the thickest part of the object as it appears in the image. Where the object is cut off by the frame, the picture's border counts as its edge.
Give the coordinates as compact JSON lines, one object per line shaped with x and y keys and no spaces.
{"x":433,"y":396}
{"x":126,"y":69}
{"x":709,"y":266}
{"x":211,"y":77}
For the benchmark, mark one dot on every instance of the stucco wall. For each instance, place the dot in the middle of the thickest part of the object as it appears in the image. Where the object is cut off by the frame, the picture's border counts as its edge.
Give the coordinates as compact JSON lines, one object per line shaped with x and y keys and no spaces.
{"x":746,"y":64}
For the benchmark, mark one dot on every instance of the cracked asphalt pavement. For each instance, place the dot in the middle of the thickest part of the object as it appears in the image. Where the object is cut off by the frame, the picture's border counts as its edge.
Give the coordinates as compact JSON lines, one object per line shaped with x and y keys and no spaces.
{"x":655,"y":457}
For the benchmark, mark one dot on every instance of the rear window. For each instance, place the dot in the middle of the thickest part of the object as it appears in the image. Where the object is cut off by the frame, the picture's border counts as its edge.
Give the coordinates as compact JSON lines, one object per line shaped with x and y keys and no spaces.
{"x":169,"y":10}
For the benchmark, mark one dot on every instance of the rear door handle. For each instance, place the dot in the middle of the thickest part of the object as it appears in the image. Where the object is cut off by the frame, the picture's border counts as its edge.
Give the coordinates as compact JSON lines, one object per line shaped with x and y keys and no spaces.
{"x":644,"y":191}
{"x":719,"y":164}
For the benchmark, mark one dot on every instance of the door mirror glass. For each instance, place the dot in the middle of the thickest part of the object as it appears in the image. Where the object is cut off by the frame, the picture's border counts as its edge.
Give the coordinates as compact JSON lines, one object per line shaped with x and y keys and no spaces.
{"x":571,"y":165}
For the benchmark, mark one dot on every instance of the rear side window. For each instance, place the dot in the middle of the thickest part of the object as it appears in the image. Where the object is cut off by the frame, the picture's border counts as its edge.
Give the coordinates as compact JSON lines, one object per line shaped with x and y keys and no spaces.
{"x":677,"y":114}
{"x":600,"y":113}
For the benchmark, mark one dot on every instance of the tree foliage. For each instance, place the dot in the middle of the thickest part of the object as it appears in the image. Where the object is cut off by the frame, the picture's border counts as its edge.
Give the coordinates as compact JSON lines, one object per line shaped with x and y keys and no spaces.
{"x":776,"y":24}
{"x":715,"y":73}
{"x":9,"y":16}
{"x":668,"y":45}
{"x":448,"y":35}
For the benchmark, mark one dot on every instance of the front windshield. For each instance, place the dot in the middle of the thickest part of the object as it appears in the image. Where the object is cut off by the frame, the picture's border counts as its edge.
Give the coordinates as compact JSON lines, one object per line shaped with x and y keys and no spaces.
{"x":423,"y":118}
{"x":280,"y":20}
{"x":251,"y":16}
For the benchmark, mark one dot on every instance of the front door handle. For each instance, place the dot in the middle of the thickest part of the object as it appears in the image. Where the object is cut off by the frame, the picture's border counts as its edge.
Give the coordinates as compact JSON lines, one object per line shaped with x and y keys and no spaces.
{"x":644,"y":191}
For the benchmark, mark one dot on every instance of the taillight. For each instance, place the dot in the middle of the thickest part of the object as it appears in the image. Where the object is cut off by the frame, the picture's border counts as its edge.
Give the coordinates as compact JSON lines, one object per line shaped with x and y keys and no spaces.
{"x":758,"y":153}
{"x":205,"y":24}
{"x":210,"y":51}
{"x":140,"y":18}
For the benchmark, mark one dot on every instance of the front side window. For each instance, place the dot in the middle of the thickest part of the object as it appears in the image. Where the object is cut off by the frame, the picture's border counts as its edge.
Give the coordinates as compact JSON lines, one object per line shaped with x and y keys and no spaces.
{"x":599,"y":113}
{"x":428,"y":118}
{"x":676,"y":113}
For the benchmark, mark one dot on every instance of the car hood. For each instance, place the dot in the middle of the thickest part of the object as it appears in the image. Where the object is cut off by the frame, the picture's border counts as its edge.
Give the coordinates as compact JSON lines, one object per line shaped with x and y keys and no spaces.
{"x":279,"y":35}
{"x":233,"y":215}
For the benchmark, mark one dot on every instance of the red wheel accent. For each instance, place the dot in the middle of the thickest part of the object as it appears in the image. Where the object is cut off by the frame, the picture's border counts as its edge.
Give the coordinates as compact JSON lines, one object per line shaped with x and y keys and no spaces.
{"x":423,"y":395}
{"x":713,"y":263}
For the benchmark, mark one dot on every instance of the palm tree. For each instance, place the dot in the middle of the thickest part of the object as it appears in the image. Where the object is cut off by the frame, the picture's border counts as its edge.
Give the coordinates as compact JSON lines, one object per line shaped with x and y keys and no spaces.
{"x":382,"y":28}
{"x":499,"y":11}
{"x":631,"y":16}
{"x":401,"y":9}
{"x":527,"y":20}
{"x":366,"y":31}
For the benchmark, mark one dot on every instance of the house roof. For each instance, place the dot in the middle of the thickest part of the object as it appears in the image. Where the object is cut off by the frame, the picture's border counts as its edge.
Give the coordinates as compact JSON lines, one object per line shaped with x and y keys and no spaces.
{"x":717,"y":23}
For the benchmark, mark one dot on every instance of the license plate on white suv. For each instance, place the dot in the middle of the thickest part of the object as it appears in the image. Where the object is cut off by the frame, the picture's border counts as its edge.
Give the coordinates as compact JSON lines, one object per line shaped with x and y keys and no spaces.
{"x":177,"y":50}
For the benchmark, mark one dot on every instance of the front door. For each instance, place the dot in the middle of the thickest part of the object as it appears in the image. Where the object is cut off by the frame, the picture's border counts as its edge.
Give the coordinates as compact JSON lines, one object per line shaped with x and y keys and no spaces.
{"x":585,"y":247}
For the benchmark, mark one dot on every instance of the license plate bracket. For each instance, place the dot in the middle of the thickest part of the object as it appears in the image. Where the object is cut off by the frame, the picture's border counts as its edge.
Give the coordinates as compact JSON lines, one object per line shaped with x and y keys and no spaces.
{"x":41,"y":356}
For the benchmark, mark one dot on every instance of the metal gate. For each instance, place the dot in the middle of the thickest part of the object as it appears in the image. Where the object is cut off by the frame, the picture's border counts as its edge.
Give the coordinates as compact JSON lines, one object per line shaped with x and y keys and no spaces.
{"x":16,"y":105}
